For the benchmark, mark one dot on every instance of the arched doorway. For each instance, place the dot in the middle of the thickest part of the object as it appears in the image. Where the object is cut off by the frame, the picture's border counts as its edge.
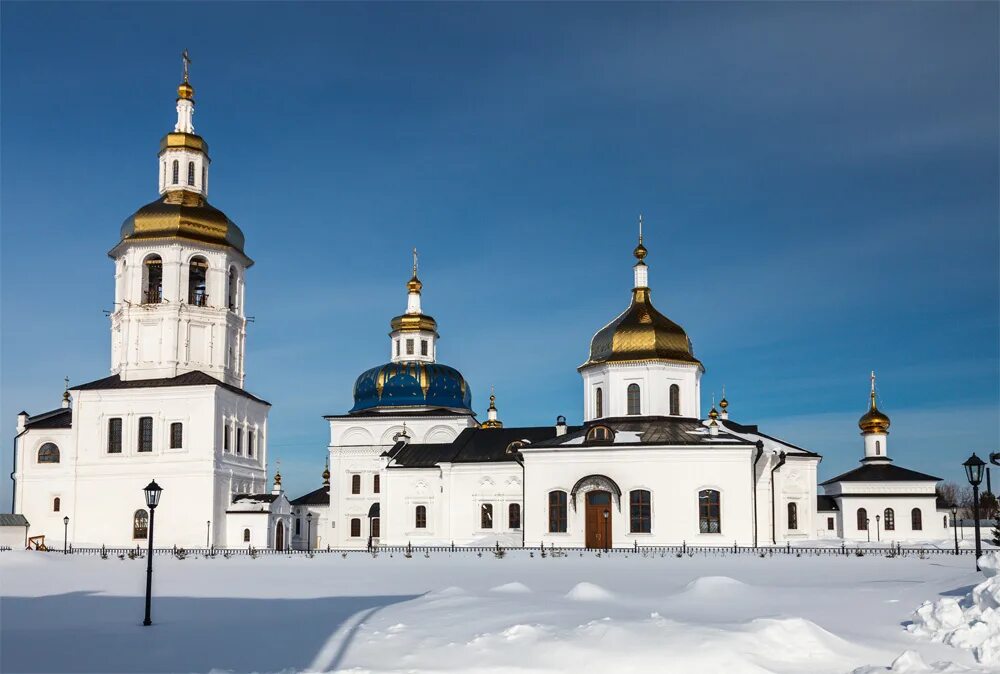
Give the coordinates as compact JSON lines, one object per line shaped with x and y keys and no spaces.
{"x":279,"y":536}
{"x":598,"y":519}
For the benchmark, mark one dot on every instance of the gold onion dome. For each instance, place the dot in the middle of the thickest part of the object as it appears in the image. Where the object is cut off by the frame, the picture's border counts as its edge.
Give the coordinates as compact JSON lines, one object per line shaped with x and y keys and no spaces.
{"x":185,"y":215}
{"x":641,"y":333}
{"x":713,"y":414}
{"x":874,"y":421}
{"x":185,"y":90}
{"x":414,"y":285}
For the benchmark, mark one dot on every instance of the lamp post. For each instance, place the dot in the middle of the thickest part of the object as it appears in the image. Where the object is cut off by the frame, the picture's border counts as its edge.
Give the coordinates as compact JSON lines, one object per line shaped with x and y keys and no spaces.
{"x":208,"y":533}
{"x":65,"y":532}
{"x":606,"y":545}
{"x":152,"y":492}
{"x":974,"y":471}
{"x":954,"y":525}
{"x":878,"y":531}
{"x":309,"y":519}
{"x":868,"y":529}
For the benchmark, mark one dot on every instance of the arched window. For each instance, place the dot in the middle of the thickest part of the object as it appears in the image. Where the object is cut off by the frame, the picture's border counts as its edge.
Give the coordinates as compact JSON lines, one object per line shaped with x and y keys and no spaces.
{"x":355,"y":484}
{"x":639,"y":511}
{"x":197,"y":288}
{"x":145,"y":434}
{"x":140,"y":524}
{"x":633,"y":399}
{"x":152,"y":280}
{"x":557,"y":512}
{"x":204,"y":178}
{"x":191,"y":173}
{"x":890,"y":519}
{"x":48,"y":453}
{"x":250,"y":443}
{"x":177,"y":172}
{"x":709,"y":512}
{"x":945,"y":521}
{"x":239,"y":442}
{"x":298,"y":526}
{"x":420,"y":517}
{"x":376,"y":484}
{"x":486,"y":516}
{"x":878,"y":447}
{"x":232,"y":289}
{"x":56,"y":504}
{"x":246,"y":535}
{"x":599,"y":402}
{"x":376,"y":527}
{"x":917,"y":520}
{"x":355,"y":527}
{"x":600,"y":433}
{"x":176,"y":435}
{"x":226,"y":446}
{"x":862,"y":519}
{"x":793,"y":516}
{"x":675,"y":399}
{"x":514,"y":516}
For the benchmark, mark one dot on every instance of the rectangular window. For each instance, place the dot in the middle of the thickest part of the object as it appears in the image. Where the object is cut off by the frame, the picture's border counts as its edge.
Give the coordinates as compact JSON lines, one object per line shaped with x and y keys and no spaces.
{"x":514,"y":515}
{"x":639,"y":511}
{"x":225,"y":438}
{"x":239,"y":442}
{"x":829,"y":523}
{"x":145,"y":434}
{"x":486,"y":516}
{"x":250,"y":439}
{"x":355,"y":527}
{"x":176,"y":435}
{"x":114,"y":436}
{"x":709,"y":512}
{"x":420,"y":517}
{"x":375,"y":484}
{"x":557,"y":512}
{"x":298,"y":526}
{"x":423,"y":347}
{"x":409,"y":347}
{"x":355,"y":484}
{"x":397,"y":347}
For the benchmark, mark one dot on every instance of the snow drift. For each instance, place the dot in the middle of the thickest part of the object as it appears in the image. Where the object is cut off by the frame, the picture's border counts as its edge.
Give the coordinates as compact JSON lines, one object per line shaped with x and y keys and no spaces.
{"x":971,"y":622}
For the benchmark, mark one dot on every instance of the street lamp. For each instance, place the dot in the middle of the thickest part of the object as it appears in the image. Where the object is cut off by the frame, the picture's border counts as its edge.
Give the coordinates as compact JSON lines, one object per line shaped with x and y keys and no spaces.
{"x":208,"y":533}
{"x":606,"y":543}
{"x":954,"y":524}
{"x":878,"y":532}
{"x":974,"y":471}
{"x":868,"y":529}
{"x":309,"y":519}
{"x":65,"y":532}
{"x":152,"y":492}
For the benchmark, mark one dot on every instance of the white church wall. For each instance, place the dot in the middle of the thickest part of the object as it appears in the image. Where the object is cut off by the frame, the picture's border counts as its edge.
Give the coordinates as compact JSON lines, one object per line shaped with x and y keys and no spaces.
{"x":38,"y":485}
{"x":932,"y":521}
{"x":654,"y":379}
{"x":673,"y":477}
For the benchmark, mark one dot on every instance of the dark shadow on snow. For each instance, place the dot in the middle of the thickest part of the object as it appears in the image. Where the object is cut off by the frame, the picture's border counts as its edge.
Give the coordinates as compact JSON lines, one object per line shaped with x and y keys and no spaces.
{"x":958,"y":591}
{"x":90,"y":633}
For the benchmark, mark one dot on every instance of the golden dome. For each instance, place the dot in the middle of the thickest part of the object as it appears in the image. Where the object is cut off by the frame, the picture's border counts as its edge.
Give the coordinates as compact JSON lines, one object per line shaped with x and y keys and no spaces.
{"x":413,"y":323}
{"x":640,"y":252}
{"x":874,"y":421}
{"x":185,"y":215}
{"x":189,"y":141}
{"x":641,"y":333}
{"x":723,"y":404}
{"x":185,"y":90}
{"x":713,"y":414}
{"x":414,"y":285}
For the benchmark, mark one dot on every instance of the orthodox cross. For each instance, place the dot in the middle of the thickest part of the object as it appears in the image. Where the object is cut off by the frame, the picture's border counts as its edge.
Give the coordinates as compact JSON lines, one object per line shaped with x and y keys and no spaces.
{"x":187,"y":63}
{"x":414,"y":262}
{"x":640,"y":228}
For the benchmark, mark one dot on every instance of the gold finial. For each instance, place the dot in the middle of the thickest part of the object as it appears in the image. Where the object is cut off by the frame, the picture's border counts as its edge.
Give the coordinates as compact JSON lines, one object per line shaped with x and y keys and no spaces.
{"x":493,"y":397}
{"x":640,"y":250}
{"x":326,"y":473}
{"x":874,"y":421}
{"x":713,"y":413}
{"x":723,"y":403}
{"x":491,"y":413}
{"x":414,"y":285}
{"x":277,"y":472}
{"x":185,"y":90}
{"x":66,"y":389}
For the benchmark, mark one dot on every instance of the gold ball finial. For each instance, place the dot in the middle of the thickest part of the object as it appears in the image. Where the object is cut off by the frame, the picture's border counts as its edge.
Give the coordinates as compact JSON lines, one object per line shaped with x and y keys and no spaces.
{"x":640,"y":250}
{"x":414,"y":285}
{"x":723,"y":403}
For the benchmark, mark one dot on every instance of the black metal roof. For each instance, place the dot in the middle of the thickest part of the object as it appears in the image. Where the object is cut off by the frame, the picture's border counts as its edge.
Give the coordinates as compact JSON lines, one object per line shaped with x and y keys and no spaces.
{"x":13,"y":520}
{"x":58,"y":418}
{"x":826,"y":503}
{"x":436,"y":412}
{"x":882,"y":472}
{"x":255,"y":498}
{"x":652,"y":431}
{"x":473,"y":445}
{"x":319,"y":496}
{"x":755,"y":430}
{"x":193,"y":378}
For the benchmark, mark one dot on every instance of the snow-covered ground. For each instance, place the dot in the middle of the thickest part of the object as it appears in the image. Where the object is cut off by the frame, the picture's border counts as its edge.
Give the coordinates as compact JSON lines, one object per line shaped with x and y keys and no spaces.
{"x":465,"y":613}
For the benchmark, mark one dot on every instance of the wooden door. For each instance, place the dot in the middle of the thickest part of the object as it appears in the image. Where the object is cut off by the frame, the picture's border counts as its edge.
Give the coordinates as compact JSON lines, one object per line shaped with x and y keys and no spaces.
{"x":598,"y":518}
{"x":279,"y":537}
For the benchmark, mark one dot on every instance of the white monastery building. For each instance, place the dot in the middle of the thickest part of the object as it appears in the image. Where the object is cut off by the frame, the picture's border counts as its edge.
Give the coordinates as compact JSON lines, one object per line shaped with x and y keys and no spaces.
{"x":410,"y":462}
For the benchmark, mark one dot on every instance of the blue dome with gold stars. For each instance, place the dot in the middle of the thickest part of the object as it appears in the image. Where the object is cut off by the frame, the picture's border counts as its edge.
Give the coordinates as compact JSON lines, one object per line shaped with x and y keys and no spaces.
{"x":411,"y":384}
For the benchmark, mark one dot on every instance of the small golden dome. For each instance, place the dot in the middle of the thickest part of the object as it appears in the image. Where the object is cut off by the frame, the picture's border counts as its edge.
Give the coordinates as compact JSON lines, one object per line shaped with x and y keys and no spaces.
{"x":413,"y":323}
{"x":874,"y":421}
{"x":723,"y":404}
{"x":713,"y":414}
{"x":326,"y":475}
{"x":184,"y":215}
{"x":185,"y":90}
{"x":640,"y":252}
{"x":277,"y":478}
{"x":414,"y":285}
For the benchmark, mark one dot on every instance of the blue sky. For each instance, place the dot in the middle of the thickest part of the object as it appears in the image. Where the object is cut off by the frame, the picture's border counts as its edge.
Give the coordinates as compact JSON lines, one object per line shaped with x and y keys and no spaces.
{"x":819,"y":184}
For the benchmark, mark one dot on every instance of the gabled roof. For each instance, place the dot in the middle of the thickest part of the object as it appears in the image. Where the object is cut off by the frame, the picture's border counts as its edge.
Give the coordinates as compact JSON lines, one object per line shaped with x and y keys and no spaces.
{"x":473,"y":445}
{"x":826,"y":503}
{"x":58,"y":418}
{"x":636,"y":431}
{"x":882,"y":472}
{"x":193,"y":378}
{"x":753,"y":429}
{"x":319,"y":496}
{"x":12,"y":520}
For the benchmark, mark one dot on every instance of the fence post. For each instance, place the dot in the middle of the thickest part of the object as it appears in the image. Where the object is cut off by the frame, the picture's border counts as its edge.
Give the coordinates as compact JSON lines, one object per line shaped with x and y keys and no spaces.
{"x":635,"y":545}
{"x":788,"y":546}
{"x":684,"y":546}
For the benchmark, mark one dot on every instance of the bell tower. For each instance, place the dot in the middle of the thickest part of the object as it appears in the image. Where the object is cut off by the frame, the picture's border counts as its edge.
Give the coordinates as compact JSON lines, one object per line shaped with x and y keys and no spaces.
{"x":179,"y":270}
{"x":874,"y":427}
